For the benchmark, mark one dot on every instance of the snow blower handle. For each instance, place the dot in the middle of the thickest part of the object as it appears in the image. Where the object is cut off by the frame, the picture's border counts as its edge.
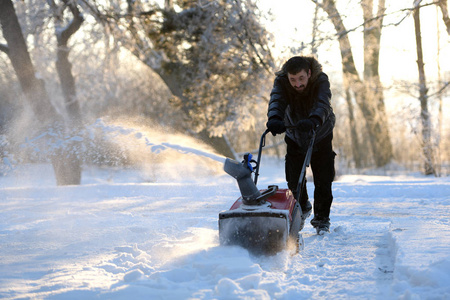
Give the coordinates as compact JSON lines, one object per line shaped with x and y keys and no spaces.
{"x":248,"y":161}
{"x":262,"y":143}
{"x":301,"y":179}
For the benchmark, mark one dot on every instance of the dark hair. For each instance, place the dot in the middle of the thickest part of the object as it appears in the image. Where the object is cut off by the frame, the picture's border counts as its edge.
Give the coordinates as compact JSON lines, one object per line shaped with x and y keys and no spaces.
{"x":296,"y":64}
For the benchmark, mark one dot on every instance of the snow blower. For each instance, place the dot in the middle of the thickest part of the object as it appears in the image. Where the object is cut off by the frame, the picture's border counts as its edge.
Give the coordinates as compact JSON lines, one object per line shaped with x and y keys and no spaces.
{"x":263,"y":221}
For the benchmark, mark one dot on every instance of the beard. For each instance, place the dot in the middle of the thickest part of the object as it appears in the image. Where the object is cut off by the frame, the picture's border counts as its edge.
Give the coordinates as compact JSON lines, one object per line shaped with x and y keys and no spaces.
{"x":301,"y":89}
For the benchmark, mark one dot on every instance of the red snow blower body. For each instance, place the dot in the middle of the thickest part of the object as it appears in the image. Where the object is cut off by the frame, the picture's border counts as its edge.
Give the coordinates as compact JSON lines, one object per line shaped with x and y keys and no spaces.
{"x":263,"y":221}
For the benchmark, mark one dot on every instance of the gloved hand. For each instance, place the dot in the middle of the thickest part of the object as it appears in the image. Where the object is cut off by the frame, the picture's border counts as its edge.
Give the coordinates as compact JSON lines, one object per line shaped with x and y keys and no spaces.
{"x":276,"y":126}
{"x":307,"y":125}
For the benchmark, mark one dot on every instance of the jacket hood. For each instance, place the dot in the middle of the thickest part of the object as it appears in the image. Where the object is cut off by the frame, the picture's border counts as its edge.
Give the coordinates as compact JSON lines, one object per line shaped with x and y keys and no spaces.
{"x":316,"y":68}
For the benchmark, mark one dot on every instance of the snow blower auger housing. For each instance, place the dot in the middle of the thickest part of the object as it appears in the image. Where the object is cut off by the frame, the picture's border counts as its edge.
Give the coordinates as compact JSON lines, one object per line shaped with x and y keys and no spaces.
{"x":262,"y":221}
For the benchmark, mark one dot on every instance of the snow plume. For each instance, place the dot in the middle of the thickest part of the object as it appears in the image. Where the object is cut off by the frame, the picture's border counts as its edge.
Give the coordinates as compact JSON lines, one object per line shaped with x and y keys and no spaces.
{"x":158,"y":154}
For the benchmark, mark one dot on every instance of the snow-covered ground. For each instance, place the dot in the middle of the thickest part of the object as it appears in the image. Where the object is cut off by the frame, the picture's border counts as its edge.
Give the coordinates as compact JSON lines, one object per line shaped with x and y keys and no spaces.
{"x":120,"y":235}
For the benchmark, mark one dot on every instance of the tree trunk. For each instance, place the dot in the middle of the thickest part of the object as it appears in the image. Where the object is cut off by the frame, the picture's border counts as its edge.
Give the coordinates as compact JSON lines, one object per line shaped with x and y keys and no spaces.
{"x":218,"y":143}
{"x":445,"y":16}
{"x":438,"y":164}
{"x":373,"y":87}
{"x":68,"y":168}
{"x":355,"y":144}
{"x":32,"y":87}
{"x":427,"y":147}
{"x":64,"y":67}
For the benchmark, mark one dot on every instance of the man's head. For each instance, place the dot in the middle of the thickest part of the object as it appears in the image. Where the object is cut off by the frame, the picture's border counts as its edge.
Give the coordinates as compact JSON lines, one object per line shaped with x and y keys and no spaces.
{"x":298,"y":70}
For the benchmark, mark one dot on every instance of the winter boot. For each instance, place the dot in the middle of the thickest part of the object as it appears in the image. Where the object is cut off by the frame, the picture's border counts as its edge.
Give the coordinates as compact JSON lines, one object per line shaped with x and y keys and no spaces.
{"x":321,"y":224}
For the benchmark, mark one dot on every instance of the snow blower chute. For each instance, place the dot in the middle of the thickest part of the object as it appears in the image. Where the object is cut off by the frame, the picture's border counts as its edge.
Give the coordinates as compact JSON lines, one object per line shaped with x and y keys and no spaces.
{"x":262,"y":221}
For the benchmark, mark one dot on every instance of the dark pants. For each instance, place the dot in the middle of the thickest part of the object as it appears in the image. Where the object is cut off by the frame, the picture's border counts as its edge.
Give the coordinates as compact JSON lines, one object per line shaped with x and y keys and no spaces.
{"x":322,"y":166}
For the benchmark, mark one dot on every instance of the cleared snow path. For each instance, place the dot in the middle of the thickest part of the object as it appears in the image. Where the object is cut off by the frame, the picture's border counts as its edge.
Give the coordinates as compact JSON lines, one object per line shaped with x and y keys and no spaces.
{"x":123,"y":240}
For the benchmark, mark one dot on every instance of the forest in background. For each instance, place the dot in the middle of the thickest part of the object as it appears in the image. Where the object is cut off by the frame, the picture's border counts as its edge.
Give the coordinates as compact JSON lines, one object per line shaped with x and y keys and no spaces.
{"x":205,"y":69}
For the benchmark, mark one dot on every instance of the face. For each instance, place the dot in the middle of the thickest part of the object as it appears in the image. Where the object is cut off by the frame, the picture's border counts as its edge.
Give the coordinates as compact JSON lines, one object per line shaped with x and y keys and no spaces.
{"x":299,"y":81}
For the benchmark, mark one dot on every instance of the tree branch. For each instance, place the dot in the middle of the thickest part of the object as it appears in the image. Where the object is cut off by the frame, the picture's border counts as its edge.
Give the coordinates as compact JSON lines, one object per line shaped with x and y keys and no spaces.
{"x":441,"y":90}
{"x":74,"y":25}
{"x":252,"y":44}
{"x":381,"y":16}
{"x":4,"y":48}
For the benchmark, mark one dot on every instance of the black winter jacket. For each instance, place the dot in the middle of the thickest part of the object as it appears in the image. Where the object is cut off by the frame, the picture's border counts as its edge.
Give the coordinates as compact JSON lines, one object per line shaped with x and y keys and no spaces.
{"x":288,"y":105}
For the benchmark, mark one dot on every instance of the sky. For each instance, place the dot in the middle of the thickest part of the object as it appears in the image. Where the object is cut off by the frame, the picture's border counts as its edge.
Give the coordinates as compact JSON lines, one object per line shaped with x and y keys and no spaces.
{"x":293,"y":20}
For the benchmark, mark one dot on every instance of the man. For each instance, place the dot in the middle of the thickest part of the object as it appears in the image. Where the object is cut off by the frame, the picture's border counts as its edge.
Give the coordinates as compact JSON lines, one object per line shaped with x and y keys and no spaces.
{"x":300,"y":103}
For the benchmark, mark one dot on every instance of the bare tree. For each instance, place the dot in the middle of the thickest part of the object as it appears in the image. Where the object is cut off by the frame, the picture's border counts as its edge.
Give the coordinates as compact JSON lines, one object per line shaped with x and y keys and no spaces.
{"x":368,"y":93}
{"x":427,"y":146}
{"x":67,"y":80}
{"x":440,"y":98}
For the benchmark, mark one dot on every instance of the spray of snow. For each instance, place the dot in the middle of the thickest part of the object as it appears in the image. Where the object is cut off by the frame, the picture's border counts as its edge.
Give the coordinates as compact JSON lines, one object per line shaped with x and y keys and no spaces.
{"x":158,"y":155}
